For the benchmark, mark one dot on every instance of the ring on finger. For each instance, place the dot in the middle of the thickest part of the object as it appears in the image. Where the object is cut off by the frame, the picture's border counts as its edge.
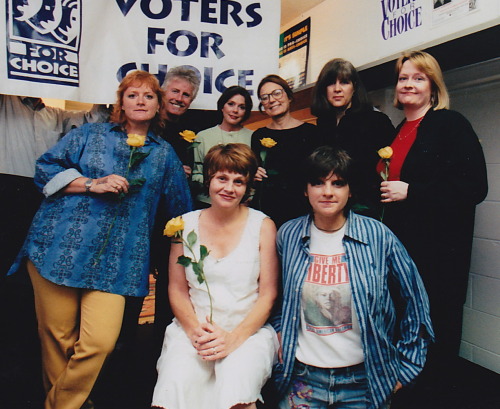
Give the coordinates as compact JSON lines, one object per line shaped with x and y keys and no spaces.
{"x":214,"y":351}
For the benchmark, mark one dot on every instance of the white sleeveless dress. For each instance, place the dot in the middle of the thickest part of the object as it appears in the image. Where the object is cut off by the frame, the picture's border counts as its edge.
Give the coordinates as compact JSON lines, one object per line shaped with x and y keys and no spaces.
{"x":185,"y":381}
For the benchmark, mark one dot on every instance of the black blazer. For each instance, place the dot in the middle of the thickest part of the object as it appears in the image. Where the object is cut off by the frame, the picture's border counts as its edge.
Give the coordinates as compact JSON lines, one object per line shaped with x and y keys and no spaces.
{"x":446,"y":175}
{"x":361,"y":134}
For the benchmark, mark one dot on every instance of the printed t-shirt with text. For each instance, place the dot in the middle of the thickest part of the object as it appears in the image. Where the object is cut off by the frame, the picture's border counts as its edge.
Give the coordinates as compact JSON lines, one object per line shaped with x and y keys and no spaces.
{"x":330,"y":333}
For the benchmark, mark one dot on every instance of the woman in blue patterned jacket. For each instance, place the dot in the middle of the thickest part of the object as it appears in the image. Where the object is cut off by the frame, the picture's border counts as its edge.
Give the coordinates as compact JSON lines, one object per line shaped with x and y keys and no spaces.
{"x":337,"y":320}
{"x":88,"y":246}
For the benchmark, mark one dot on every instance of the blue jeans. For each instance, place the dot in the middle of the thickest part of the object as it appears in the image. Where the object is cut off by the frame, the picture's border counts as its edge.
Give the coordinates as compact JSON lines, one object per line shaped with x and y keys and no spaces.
{"x":322,"y":388}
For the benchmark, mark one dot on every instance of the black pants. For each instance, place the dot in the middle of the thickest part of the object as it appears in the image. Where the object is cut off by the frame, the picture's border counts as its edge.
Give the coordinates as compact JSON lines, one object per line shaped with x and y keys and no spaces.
{"x":19,"y":346}
{"x":19,"y":201}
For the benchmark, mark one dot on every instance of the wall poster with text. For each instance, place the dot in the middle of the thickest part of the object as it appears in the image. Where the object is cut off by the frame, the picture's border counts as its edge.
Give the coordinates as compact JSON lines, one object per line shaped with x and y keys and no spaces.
{"x":294,"y":53}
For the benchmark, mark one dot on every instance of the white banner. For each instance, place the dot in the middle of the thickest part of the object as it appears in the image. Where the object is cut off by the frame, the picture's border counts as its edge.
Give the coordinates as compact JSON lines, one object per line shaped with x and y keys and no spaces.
{"x":372,"y":32}
{"x":80,"y":49}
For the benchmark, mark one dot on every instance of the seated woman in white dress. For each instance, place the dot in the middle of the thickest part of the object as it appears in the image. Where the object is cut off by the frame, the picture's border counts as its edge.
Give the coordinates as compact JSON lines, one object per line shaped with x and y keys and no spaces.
{"x":218,"y":352}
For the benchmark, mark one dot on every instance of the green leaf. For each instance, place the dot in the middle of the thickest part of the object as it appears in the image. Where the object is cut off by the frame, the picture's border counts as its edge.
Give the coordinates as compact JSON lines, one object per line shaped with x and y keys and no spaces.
{"x":198,"y":270}
{"x":191,"y":238}
{"x":193,"y":145}
{"x":203,"y":252}
{"x":358,"y":207}
{"x":263,"y":156}
{"x":184,"y":261}
{"x":137,"y":182}
{"x":138,"y":157}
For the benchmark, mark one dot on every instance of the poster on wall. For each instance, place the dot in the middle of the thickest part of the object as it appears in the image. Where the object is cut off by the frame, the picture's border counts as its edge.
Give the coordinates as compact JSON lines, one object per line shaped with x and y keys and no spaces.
{"x":445,"y":10}
{"x":80,"y":50}
{"x":294,"y":53}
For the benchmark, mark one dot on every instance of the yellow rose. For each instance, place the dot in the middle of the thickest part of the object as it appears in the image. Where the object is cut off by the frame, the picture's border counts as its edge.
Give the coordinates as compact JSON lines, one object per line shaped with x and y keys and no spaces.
{"x":135,"y":140}
{"x":174,"y":226}
{"x":268,"y":142}
{"x":188,"y":136}
{"x":385,"y":153}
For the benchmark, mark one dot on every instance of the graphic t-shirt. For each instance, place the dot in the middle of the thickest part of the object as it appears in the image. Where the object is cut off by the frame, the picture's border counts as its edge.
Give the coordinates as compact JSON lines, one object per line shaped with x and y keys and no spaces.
{"x":330,"y":335}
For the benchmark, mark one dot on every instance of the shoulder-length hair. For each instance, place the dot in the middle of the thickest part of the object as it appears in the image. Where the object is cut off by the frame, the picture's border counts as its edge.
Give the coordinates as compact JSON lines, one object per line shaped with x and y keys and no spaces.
{"x":232,"y":157}
{"x":342,"y":70}
{"x":231,"y":92}
{"x":430,"y":67}
{"x":136,"y":79}
{"x":276,"y":79}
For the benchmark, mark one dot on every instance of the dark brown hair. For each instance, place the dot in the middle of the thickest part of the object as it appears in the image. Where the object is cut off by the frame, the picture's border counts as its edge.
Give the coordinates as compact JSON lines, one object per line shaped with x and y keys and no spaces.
{"x":231,"y":92}
{"x":324,"y":161}
{"x":342,"y":70}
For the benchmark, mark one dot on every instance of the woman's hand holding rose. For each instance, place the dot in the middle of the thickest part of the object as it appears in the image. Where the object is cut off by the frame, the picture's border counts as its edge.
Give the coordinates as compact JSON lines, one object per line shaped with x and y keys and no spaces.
{"x":110,"y":184}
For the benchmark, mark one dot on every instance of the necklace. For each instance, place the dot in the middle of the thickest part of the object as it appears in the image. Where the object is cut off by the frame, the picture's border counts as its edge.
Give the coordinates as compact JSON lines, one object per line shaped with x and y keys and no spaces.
{"x":327,"y":230}
{"x":402,"y":138}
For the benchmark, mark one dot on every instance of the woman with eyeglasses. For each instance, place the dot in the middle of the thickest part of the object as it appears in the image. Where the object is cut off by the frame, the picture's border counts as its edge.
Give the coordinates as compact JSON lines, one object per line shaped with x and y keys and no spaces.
{"x":278,"y":191}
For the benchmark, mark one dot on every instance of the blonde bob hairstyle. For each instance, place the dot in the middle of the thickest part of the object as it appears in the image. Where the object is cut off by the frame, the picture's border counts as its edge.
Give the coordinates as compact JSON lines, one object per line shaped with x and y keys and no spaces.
{"x":136,"y":79}
{"x":233,"y":158}
{"x":430,"y":67}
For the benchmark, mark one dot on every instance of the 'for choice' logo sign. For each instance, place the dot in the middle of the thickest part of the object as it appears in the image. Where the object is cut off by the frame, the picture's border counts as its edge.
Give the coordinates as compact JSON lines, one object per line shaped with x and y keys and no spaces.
{"x":44,"y":40}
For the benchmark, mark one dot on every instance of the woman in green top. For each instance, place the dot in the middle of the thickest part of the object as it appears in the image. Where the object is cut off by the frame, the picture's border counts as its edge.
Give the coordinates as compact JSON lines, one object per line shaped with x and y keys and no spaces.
{"x":235,"y":106}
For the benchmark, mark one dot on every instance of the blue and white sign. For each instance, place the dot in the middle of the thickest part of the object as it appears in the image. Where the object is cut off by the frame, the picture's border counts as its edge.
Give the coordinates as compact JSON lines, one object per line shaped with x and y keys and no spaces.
{"x":44,"y":41}
{"x":80,"y":49}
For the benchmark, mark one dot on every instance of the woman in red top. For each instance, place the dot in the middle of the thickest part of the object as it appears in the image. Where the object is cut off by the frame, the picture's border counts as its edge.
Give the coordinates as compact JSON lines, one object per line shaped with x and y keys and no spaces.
{"x":437,"y":175}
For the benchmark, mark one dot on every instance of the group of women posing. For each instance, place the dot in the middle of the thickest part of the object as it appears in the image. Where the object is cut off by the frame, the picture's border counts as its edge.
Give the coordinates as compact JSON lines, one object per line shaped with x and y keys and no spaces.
{"x":339,"y":334}
{"x":353,"y":317}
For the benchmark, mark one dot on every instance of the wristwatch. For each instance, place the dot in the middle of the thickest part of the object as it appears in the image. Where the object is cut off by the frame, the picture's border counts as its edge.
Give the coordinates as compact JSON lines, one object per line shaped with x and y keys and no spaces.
{"x":88,"y":185}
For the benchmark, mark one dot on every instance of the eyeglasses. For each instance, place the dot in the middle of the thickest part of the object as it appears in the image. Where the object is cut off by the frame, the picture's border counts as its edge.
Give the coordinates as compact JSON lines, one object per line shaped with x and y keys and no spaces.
{"x":276,"y":94}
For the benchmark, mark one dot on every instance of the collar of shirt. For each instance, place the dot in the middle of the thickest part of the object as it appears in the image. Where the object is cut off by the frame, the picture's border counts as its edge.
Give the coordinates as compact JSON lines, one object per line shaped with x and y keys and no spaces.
{"x":36,"y":104}
{"x":353,"y":230}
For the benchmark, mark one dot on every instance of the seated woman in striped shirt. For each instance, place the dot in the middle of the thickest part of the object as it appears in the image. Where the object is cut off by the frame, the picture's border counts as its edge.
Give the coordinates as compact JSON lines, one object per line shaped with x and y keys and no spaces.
{"x":337,"y":322}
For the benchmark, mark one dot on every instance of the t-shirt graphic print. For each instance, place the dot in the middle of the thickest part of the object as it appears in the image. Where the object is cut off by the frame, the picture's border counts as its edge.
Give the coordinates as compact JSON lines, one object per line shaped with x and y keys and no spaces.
{"x":326,"y":296}
{"x":329,"y":335}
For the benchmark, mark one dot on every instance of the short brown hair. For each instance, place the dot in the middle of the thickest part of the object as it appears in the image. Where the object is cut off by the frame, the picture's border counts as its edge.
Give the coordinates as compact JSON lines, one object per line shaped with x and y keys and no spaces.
{"x":430,"y":67}
{"x":138,"y":78}
{"x":276,"y":79}
{"x":326,"y":160}
{"x":232,"y":157}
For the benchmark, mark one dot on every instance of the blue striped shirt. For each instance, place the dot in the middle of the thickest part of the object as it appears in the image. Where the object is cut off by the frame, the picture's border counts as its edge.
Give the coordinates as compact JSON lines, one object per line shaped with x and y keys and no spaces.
{"x":375,"y":257}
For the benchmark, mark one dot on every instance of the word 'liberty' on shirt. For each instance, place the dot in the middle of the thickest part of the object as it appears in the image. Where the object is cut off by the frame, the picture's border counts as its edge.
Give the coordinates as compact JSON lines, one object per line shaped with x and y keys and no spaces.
{"x":327,"y":270}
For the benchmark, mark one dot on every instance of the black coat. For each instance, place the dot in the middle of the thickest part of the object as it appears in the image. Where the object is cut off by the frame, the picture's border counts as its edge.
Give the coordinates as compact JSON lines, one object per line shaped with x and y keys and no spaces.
{"x":361,"y":134}
{"x":446,"y":175}
{"x":281,"y":195}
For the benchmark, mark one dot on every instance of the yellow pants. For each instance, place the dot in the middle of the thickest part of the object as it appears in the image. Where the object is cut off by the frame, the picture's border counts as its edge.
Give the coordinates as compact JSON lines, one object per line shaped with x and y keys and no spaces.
{"x":78,"y":329}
